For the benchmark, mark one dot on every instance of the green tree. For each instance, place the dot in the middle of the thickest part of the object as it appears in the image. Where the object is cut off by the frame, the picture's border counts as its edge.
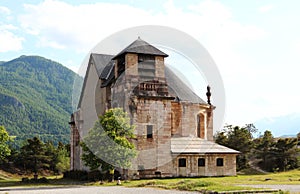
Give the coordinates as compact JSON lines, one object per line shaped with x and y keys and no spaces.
{"x":238,"y":138}
{"x":286,"y":152}
{"x":34,"y":157}
{"x":264,"y":150}
{"x":51,"y":155}
{"x":5,"y":151}
{"x":62,"y":158}
{"x":108,"y":144}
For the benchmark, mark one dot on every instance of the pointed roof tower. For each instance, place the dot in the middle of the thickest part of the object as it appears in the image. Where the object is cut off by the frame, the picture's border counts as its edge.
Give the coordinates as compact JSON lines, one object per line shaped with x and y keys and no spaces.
{"x":140,"y":46}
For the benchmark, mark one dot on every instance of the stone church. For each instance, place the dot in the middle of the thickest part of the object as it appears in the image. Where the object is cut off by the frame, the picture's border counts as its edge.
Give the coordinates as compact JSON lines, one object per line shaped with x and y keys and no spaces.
{"x":174,"y":127}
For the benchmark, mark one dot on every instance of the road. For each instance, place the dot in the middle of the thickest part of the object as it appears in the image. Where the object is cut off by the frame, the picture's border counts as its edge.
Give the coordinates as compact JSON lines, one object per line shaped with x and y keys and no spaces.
{"x":290,"y":188}
{"x":120,"y":190}
{"x":89,"y":190}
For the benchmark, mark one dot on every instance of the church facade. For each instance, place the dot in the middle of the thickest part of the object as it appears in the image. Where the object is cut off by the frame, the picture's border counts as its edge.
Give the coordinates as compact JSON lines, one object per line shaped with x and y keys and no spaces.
{"x":173,"y":126}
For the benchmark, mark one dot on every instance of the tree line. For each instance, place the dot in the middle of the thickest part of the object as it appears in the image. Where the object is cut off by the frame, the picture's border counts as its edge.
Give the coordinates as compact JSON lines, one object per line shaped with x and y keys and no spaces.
{"x":269,"y":153}
{"x":34,"y":156}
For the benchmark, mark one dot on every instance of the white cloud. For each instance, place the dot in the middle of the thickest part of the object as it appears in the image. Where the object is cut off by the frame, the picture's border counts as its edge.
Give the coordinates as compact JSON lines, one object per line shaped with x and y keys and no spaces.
{"x":65,"y":26}
{"x":80,"y":27}
{"x":265,"y":8}
{"x":59,"y":24}
{"x":4,"y":10}
{"x":9,"y":41}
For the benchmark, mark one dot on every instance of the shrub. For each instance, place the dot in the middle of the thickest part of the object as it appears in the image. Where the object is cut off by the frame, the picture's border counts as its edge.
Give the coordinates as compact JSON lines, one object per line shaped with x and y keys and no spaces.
{"x":76,"y":175}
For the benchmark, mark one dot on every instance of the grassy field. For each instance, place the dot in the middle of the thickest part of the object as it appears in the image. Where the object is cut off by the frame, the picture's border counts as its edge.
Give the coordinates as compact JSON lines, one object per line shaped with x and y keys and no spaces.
{"x":217,"y":183}
{"x":190,"y":184}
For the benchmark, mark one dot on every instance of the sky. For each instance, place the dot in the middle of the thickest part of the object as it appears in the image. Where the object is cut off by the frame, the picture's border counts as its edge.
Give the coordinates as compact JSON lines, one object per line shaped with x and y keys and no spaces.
{"x":255,"y":44}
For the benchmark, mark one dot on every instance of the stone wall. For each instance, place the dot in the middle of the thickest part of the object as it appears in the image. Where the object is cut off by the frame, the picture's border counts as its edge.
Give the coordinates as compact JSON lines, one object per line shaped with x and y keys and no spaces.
{"x":209,"y":169}
{"x":186,"y":117}
{"x":131,"y":64}
{"x":153,"y":151}
{"x":159,"y":67}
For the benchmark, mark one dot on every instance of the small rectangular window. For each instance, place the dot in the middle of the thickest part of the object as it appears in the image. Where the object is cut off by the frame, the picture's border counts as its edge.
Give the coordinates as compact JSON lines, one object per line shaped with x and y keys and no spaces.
{"x":182,"y":162}
{"x":220,"y":162}
{"x":201,"y":162}
{"x":149,"y":131}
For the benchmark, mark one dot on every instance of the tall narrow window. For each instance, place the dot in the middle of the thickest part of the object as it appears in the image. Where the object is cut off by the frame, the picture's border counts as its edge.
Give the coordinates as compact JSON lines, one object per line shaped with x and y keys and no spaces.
{"x":149,"y":131}
{"x":76,"y":136}
{"x":198,"y":125}
{"x":220,"y":162}
{"x":182,"y":162}
{"x":201,"y":162}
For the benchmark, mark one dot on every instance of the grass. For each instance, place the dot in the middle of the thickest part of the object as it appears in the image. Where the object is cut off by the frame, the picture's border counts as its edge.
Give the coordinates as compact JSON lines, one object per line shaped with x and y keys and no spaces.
{"x":216,"y":183}
{"x":189,"y":184}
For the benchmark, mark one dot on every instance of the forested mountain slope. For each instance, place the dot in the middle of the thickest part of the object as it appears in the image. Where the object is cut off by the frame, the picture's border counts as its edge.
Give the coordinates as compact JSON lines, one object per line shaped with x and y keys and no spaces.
{"x":35,"y":98}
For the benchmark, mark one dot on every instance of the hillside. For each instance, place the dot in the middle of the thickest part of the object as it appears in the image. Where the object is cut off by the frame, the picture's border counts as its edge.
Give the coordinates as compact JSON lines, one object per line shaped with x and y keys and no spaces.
{"x":35,"y":98}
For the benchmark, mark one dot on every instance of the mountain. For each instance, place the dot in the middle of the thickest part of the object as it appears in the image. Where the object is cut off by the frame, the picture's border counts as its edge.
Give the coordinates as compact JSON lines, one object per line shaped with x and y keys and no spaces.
{"x":282,"y":126}
{"x":35,"y":98}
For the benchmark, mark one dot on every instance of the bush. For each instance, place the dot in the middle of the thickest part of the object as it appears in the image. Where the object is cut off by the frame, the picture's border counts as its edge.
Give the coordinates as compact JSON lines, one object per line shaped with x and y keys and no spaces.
{"x":76,"y":175}
{"x":43,"y":180}
{"x":33,"y":180}
{"x":25,"y":180}
{"x":95,"y":175}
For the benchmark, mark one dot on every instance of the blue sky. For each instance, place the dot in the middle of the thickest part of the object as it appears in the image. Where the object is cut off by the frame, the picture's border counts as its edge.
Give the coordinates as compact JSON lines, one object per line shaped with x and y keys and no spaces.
{"x":255,"y":43}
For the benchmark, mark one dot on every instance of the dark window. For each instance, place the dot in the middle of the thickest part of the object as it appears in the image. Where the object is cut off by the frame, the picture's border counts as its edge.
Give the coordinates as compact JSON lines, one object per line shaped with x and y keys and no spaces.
{"x":182,"y":162}
{"x":220,"y":162}
{"x":198,"y":125}
{"x":121,"y":65}
{"x":149,"y":131}
{"x":201,"y":162}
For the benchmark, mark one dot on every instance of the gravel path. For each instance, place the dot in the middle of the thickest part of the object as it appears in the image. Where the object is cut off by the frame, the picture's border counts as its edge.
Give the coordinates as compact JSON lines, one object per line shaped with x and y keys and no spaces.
{"x":290,"y":188}
{"x":90,"y":190}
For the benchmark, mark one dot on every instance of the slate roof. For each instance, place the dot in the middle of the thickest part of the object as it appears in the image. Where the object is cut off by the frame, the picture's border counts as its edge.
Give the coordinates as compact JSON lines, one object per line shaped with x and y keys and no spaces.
{"x":101,"y":61}
{"x":141,"y":47}
{"x":194,"y":145}
{"x":179,"y":89}
{"x":108,"y":74}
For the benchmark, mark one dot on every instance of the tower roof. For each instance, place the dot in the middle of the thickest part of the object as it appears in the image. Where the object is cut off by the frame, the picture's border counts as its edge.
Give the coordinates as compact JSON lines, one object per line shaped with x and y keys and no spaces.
{"x":140,"y":46}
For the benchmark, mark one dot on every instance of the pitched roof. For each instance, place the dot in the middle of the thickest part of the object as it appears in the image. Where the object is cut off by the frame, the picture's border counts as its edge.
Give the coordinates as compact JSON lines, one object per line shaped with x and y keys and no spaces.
{"x":141,"y":47}
{"x":107,"y":70}
{"x":179,"y":89}
{"x":108,"y":74}
{"x":195,"y":145}
{"x":101,"y":61}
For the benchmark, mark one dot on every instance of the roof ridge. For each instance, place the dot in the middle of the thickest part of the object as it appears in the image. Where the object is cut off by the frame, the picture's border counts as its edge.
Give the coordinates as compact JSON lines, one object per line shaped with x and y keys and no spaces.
{"x":141,"y":47}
